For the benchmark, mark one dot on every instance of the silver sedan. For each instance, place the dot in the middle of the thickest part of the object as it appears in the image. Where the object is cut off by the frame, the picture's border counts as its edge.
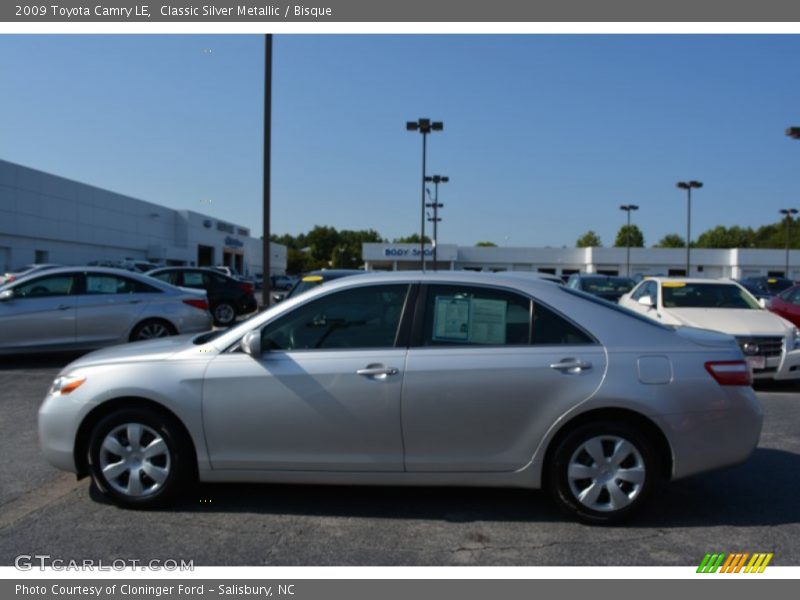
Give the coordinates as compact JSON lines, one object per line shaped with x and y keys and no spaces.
{"x":413,"y":379}
{"x":78,"y":308}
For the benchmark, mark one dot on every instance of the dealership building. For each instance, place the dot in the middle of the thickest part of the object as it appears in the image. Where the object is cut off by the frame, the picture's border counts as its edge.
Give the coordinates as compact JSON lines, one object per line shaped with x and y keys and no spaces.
{"x":734,"y":262}
{"x":45,"y":218}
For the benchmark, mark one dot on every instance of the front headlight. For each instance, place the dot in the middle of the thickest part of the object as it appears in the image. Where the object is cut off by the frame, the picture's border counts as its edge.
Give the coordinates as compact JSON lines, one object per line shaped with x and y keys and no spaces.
{"x":66,"y":384}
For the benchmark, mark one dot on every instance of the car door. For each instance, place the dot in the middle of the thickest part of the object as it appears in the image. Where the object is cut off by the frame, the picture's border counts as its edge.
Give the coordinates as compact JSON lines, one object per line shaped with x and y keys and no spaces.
{"x":325,"y":393}
{"x":488,"y":373}
{"x":40,"y":314}
{"x":109,"y":306}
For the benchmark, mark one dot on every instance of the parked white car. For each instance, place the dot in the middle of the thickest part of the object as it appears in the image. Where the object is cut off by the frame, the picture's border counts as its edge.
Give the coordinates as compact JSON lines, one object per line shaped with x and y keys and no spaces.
{"x":770,"y":343}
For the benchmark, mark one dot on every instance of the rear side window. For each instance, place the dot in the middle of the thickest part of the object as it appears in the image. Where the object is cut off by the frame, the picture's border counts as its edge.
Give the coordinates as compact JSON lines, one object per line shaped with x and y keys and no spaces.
{"x":170,"y":277}
{"x":550,"y":329}
{"x":476,"y":316}
{"x":112,"y":284}
{"x":193,"y":279}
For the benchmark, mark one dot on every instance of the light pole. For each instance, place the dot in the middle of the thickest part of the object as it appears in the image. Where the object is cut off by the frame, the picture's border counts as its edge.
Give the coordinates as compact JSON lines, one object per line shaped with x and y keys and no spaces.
{"x":266,"y":266}
{"x":787,"y":212}
{"x":628,"y":208}
{"x":436,"y":180}
{"x":424,"y":126}
{"x":688,"y":186}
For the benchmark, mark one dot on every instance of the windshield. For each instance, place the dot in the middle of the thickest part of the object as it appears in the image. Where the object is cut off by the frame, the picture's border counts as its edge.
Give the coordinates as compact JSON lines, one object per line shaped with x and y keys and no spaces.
{"x":706,"y":295}
{"x":607,"y":285}
{"x":305,"y":284}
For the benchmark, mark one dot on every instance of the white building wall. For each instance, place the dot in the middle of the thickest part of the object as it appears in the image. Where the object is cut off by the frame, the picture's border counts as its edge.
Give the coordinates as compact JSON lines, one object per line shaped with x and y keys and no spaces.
{"x":74,"y":223}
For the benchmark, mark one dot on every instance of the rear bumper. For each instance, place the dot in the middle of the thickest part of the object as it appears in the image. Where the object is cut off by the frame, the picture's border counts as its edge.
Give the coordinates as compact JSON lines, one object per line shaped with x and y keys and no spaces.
{"x":706,"y":440}
{"x":247,"y":304}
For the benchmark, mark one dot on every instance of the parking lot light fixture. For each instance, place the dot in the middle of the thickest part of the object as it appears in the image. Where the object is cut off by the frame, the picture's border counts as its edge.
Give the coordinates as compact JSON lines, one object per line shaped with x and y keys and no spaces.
{"x":793,"y":132}
{"x":628,"y":208}
{"x":424,"y":126}
{"x":689,"y":186}
{"x":788,"y":213}
{"x":435,"y":205}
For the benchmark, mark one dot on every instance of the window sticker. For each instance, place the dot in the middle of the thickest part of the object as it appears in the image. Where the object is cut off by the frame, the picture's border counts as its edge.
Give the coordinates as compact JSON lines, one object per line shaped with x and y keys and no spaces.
{"x":488,"y":322}
{"x":101,"y":285}
{"x":451,"y":319}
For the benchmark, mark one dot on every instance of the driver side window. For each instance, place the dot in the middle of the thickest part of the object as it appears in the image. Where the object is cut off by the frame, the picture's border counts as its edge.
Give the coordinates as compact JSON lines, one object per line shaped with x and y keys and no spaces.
{"x":364,"y":317}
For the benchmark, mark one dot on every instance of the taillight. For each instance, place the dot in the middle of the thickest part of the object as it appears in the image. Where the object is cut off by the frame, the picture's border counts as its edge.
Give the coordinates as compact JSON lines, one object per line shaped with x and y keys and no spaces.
{"x":9,"y":279}
{"x":201,"y":304}
{"x":247,"y":288}
{"x":730,"y":372}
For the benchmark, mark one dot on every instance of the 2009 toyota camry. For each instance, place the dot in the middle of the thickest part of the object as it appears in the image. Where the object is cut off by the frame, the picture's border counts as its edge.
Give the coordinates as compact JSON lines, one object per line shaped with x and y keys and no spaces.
{"x":414,"y":379}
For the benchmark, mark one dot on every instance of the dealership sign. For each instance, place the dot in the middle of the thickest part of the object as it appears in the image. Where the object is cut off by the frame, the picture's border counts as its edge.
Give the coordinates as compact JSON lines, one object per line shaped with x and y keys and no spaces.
{"x":409,"y":252}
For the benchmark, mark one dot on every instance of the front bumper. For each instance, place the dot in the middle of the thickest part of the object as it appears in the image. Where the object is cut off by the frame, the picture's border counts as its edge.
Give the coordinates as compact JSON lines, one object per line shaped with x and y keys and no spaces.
{"x":59,"y":419}
{"x":786,"y":367}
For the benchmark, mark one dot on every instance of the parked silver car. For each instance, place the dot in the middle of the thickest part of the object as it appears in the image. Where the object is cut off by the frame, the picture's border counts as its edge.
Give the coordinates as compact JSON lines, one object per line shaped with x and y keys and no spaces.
{"x":77,"y":308}
{"x":413,"y":379}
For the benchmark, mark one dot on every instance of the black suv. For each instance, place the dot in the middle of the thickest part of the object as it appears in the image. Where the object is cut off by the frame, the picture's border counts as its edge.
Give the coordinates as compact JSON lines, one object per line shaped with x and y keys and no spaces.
{"x":227,"y":297}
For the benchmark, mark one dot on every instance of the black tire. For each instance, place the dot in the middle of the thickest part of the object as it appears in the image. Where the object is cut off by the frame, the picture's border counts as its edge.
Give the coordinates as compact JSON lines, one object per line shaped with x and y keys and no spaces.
{"x":176,"y":463}
{"x":224,"y":314}
{"x":615,"y":496}
{"x":152,"y":329}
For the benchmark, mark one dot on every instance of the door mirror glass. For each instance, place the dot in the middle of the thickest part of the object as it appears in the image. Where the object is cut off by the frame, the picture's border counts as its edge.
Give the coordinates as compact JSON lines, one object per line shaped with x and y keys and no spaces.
{"x":6,"y":295}
{"x":762,"y":302}
{"x":251,"y":343}
{"x":646,"y":301}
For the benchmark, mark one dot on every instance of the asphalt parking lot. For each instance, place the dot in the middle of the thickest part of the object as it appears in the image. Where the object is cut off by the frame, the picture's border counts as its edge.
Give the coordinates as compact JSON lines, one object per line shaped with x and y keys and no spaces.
{"x":752,"y":507}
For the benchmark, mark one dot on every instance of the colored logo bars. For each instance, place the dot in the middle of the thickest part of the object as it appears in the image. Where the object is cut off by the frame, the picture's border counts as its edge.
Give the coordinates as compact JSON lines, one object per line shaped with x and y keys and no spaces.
{"x":735,"y":562}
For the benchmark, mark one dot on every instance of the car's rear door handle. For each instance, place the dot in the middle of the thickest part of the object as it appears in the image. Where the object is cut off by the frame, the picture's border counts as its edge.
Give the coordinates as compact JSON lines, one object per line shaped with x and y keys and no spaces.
{"x":64,"y":306}
{"x":571,"y":365}
{"x":377,"y":371}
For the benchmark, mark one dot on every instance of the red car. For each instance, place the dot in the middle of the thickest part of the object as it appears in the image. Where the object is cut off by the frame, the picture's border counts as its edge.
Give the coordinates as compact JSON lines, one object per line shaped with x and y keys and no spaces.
{"x":787,"y":305}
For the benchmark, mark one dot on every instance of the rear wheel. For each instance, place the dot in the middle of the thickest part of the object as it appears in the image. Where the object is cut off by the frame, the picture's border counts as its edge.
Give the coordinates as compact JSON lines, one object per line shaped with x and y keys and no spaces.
{"x":139,"y":459}
{"x":603,"y":472}
{"x":224,"y":314}
{"x":151,"y":329}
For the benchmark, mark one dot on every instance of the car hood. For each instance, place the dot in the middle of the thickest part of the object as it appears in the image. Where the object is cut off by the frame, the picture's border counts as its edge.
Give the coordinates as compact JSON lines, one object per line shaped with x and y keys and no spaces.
{"x":733,"y":321}
{"x":150,"y":350}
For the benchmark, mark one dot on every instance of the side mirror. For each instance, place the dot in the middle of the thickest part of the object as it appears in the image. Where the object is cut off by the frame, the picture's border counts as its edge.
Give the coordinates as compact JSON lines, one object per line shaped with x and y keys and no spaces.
{"x":646,"y":301}
{"x":6,"y":295}
{"x":251,"y":343}
{"x":277,"y":298}
{"x":761,"y":301}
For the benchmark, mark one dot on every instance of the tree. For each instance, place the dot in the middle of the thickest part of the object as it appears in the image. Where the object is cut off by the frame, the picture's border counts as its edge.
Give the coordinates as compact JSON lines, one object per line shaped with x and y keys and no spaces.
{"x":724,"y":237}
{"x":347,"y":253}
{"x":636,"y":237}
{"x":671,"y":240}
{"x":486,"y":245}
{"x":411,"y":239}
{"x":589,"y":240}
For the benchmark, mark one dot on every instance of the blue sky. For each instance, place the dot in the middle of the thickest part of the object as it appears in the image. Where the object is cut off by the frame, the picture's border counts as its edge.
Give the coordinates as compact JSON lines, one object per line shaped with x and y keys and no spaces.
{"x":545,"y":136}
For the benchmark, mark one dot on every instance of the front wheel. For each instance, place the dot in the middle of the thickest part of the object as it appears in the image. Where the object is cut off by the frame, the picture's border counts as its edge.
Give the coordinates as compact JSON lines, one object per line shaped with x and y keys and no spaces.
{"x":138,"y":458}
{"x":603,"y":472}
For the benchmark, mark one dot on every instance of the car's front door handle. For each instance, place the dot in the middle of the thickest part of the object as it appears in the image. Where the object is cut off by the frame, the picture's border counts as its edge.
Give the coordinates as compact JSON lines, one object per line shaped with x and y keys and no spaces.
{"x":377,"y":371}
{"x":134,"y":301}
{"x":64,"y":306}
{"x":571,"y":365}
